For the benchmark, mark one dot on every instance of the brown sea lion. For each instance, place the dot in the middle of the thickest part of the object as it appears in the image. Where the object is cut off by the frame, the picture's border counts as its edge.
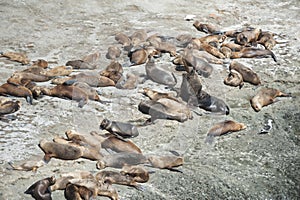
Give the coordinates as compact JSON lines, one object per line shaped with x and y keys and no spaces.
{"x":40,"y":189}
{"x":58,"y":71}
{"x":159,"y":75}
{"x":267,"y":40}
{"x":123,"y":39}
{"x":248,"y":37}
{"x":130,"y":82}
{"x":34,"y":88}
{"x":92,"y":59}
{"x":212,"y":39}
{"x":113,"y":52}
{"x":73,"y":192}
{"x":138,"y":173}
{"x":18,"y":78}
{"x":155,"y":95}
{"x":212,"y":103}
{"x":206,"y":28}
{"x":60,"y":151}
{"x":40,"y":63}
{"x":234,"y":79}
{"x":266,"y":96}
{"x":222,"y":128}
{"x":93,"y":79}
{"x":17,"y":91}
{"x":138,"y":37}
{"x":63,"y":180}
{"x":79,"y":64}
{"x":138,"y":56}
{"x":84,"y":139}
{"x":226,"y":51}
{"x":250,"y":52}
{"x":118,"y":160}
{"x":232,"y":46}
{"x":8,"y":106}
{"x":120,"y":129}
{"x":15,"y":56}
{"x":118,"y":145}
{"x":91,"y":92}
{"x":29,"y":165}
{"x":212,"y":50}
{"x":67,"y":91}
{"x":113,"y":71}
{"x":248,"y":75}
{"x":166,"y":162}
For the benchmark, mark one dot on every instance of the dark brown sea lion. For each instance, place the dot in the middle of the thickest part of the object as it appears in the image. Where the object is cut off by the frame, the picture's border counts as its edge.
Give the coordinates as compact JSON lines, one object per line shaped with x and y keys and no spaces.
{"x":60,"y":151}
{"x":17,"y":91}
{"x":130,"y":82}
{"x":165,"y":108}
{"x":206,"y":28}
{"x":250,"y":52}
{"x":212,"y":39}
{"x":166,"y":162}
{"x":8,"y":106}
{"x":18,"y":78}
{"x":113,"y":52}
{"x":118,"y":160}
{"x":234,"y":79}
{"x":211,"y":103}
{"x":266,"y":96}
{"x":248,"y":37}
{"x":212,"y":50}
{"x":118,"y":145}
{"x":120,"y":129}
{"x":74,"y":192}
{"x":15,"y":56}
{"x":222,"y":128}
{"x":248,"y":75}
{"x":159,"y":75}
{"x":40,"y":189}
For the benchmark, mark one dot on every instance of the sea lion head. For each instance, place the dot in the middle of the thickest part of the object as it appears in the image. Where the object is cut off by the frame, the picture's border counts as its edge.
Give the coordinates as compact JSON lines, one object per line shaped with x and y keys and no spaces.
{"x":255,"y":104}
{"x":105,"y":124}
{"x":101,"y":164}
{"x":234,"y":79}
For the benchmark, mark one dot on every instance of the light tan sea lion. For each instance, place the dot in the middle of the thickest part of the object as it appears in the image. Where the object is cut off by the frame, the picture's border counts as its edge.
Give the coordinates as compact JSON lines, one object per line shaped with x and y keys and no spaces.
{"x":40,"y":63}
{"x":17,"y":91}
{"x":206,"y":28}
{"x":118,"y":145}
{"x":84,"y":139}
{"x":92,"y":59}
{"x":93,"y":79}
{"x":164,"y":47}
{"x":232,"y":46}
{"x":212,"y":50}
{"x":212,"y":39}
{"x":137,"y":173}
{"x":247,"y":37}
{"x":18,"y":78}
{"x":29,"y":165}
{"x":123,"y":39}
{"x":226,"y":51}
{"x":155,"y":95}
{"x":8,"y":106}
{"x":59,"y":151}
{"x":79,"y":64}
{"x":222,"y":128}
{"x":266,"y":96}
{"x":15,"y":56}
{"x":40,"y":189}
{"x":138,"y":56}
{"x":234,"y":79}
{"x":58,"y":71}
{"x":138,"y":37}
{"x":248,"y":75}
{"x":118,"y":160}
{"x":250,"y":52}
{"x":113,"y":52}
{"x":166,"y":162}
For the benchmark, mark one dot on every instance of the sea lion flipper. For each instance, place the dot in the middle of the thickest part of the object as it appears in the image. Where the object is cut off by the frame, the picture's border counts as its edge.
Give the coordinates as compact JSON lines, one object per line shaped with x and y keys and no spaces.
{"x":209,"y":139}
{"x":175,"y":170}
{"x":29,"y":99}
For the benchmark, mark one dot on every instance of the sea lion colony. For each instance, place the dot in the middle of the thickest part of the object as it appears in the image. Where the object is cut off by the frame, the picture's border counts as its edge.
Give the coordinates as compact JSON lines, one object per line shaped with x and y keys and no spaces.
{"x":193,"y":56}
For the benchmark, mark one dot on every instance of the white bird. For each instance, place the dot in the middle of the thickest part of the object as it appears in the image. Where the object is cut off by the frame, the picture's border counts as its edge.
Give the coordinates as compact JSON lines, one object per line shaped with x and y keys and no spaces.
{"x":267,"y":127}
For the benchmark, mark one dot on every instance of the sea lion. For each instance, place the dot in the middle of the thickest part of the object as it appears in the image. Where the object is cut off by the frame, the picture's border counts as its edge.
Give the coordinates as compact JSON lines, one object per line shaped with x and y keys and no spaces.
{"x":113,"y":52}
{"x":84,"y":139}
{"x":40,"y":189}
{"x":266,"y":96}
{"x":73,"y":192}
{"x":92,"y":59}
{"x":232,"y":46}
{"x":212,"y":50}
{"x":118,"y":160}
{"x":206,"y":28}
{"x":248,"y":37}
{"x":164,"y":47}
{"x":159,"y":75}
{"x":8,"y":106}
{"x":234,"y":79}
{"x":138,"y":37}
{"x":166,"y":162}
{"x":138,"y":56}
{"x":138,"y":173}
{"x":40,"y":63}
{"x":155,"y":95}
{"x":29,"y":165}
{"x":130,"y":82}
{"x":60,"y":151}
{"x":17,"y":91}
{"x":113,"y":71}
{"x":16,"y":56}
{"x":222,"y":128}
{"x":211,"y":103}
{"x":248,"y":75}
{"x":58,"y":71}
{"x":165,"y":108}
{"x":120,"y":129}
{"x":18,"y":78}
{"x":212,"y":39}
{"x":267,"y":40}
{"x":119,"y":145}
{"x":251,"y":52}
{"x":34,"y":88}
{"x":226,"y":51}
{"x":123,"y":39}
{"x":93,"y":79}
{"x":79,"y":64}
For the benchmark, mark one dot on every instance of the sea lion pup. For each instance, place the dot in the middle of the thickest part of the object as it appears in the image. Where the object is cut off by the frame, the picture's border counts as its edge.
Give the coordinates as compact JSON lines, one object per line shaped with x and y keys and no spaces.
{"x":63,"y":180}
{"x":73,"y":192}
{"x":113,"y":52}
{"x":234,"y":79}
{"x":88,"y":62}
{"x":67,"y":91}
{"x":248,"y":75}
{"x":97,"y":188}
{"x":123,"y":39}
{"x":118,"y":145}
{"x":211,"y":103}
{"x":17,"y":91}
{"x":248,"y":37}
{"x":40,"y":63}
{"x":138,"y":56}
{"x":60,"y":151}
{"x":155,"y":95}
{"x":250,"y":52}
{"x":120,"y":129}
{"x":113,"y":71}
{"x":130,"y":82}
{"x":40,"y":189}
{"x":118,"y":160}
{"x":267,"y":40}
{"x":222,"y":128}
{"x":18,"y":77}
{"x":91,"y":92}
{"x":266,"y":96}
{"x":92,"y":79}
{"x":165,"y":108}
{"x":166,"y":162}
{"x":159,"y":75}
{"x":206,"y":28}
{"x":15,"y":56}
{"x":8,"y":106}
{"x":29,"y":165}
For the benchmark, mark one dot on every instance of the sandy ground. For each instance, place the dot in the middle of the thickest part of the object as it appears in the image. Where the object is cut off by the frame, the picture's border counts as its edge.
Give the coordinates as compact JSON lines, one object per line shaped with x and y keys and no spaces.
{"x":241,"y":165}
